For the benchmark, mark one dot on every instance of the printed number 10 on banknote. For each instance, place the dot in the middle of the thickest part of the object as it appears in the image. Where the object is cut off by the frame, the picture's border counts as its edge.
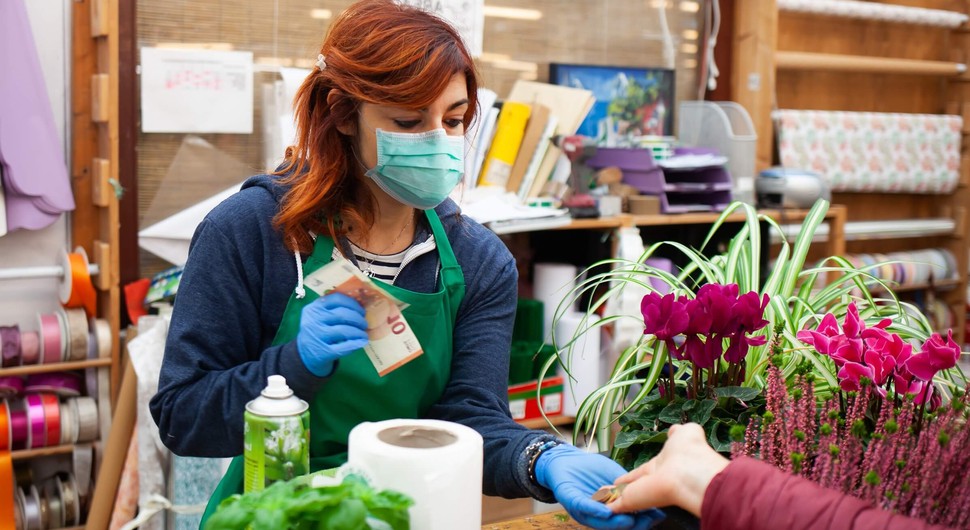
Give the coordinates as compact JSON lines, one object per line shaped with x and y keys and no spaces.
{"x":392,"y":342}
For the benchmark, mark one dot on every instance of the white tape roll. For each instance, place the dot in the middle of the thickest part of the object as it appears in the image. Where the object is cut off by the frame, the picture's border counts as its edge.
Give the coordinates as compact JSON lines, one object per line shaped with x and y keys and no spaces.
{"x":87,"y":418}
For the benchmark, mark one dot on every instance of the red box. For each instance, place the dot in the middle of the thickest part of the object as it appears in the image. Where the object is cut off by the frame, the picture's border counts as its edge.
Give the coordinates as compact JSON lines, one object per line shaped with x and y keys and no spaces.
{"x":523,"y":400}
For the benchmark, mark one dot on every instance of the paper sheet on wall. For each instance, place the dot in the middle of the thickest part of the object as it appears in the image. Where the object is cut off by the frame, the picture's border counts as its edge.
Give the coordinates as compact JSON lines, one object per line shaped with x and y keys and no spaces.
{"x":468,"y":16}
{"x":196,"y":91}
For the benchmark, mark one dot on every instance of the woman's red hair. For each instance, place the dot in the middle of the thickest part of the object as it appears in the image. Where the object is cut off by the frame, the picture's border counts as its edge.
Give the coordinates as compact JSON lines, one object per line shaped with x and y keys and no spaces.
{"x":380,"y":52}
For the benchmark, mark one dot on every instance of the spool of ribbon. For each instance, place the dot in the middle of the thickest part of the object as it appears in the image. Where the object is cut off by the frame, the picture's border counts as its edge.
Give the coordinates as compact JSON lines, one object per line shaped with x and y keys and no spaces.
{"x":33,"y":517}
{"x":52,"y":419}
{"x":71,"y":499}
{"x":91,"y":374}
{"x":77,"y":334}
{"x":7,"y":487}
{"x":66,"y":384}
{"x":29,"y":348}
{"x":11,"y":386}
{"x":19,"y":425}
{"x":50,"y":338}
{"x":68,"y":423}
{"x":55,"y":504}
{"x":37,"y":429}
{"x":4,"y":426}
{"x":76,"y":289}
{"x":18,"y":503}
{"x":102,"y":330}
{"x":87,"y":418}
{"x":9,"y":345}
{"x":82,"y":462}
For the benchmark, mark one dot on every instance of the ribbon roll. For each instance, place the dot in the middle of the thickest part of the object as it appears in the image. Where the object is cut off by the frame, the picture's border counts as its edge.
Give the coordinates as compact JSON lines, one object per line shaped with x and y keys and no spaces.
{"x":52,"y":419}
{"x":9,"y":346}
{"x":45,"y":511}
{"x":11,"y":386}
{"x":7,"y":487}
{"x":91,"y":374}
{"x":76,"y":289}
{"x":82,"y":462}
{"x":68,"y":423}
{"x":4,"y":426}
{"x":102,"y":330}
{"x":37,"y":428}
{"x":18,"y":501}
{"x":77,"y":334}
{"x":19,"y":425}
{"x":87,"y":419}
{"x":32,"y":515}
{"x":50,"y":339}
{"x":66,"y":384}
{"x":29,"y":348}
{"x":71,"y":499}
{"x":55,"y":504}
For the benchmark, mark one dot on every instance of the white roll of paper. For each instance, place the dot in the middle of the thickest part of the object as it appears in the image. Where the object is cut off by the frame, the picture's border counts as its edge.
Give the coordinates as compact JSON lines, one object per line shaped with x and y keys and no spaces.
{"x":551,"y":282}
{"x":436,"y":463}
{"x":584,"y":360}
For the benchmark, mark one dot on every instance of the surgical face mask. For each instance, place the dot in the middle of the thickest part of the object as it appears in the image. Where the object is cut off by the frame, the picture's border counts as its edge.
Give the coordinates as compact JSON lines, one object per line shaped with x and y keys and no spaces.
{"x":421,"y":169}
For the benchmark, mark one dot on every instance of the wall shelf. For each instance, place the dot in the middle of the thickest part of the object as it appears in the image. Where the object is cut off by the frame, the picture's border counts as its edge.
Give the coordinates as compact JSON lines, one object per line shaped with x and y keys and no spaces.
{"x":55,"y":367}
{"x":793,"y":60}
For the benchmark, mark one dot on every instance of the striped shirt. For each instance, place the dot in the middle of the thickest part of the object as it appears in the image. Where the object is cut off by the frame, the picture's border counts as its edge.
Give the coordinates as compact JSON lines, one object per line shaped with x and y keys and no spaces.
{"x":385,"y":267}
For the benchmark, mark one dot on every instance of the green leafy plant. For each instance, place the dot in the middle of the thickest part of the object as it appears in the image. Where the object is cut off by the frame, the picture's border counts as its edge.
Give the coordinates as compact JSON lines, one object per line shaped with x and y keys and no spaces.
{"x":798,"y":298}
{"x":297,"y":504}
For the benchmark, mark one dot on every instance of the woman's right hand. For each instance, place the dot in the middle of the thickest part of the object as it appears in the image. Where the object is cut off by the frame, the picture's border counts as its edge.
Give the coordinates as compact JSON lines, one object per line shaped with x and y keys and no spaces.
{"x":331,"y":327}
{"x":678,"y":476}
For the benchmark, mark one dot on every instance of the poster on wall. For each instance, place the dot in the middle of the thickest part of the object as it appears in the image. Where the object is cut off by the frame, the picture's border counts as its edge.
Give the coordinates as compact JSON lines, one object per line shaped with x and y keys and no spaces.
{"x":630,"y":102}
{"x":468,"y":16}
{"x":196,"y":91}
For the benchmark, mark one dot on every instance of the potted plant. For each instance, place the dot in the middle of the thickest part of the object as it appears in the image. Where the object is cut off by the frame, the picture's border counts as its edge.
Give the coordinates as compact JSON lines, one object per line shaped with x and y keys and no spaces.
{"x":693,"y":363}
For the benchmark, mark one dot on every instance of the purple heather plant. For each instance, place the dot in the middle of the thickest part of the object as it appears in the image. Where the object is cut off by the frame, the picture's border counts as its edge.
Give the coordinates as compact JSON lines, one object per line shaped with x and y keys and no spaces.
{"x":896,"y":456}
{"x":886,"y":437}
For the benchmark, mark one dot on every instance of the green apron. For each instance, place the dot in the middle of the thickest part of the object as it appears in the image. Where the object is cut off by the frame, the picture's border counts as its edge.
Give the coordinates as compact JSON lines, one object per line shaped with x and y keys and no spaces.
{"x":355,"y":393}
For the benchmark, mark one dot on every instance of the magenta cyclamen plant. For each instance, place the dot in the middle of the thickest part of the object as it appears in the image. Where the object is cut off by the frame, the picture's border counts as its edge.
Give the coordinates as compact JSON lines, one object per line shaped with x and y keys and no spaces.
{"x":696,"y":329}
{"x":882,"y":357}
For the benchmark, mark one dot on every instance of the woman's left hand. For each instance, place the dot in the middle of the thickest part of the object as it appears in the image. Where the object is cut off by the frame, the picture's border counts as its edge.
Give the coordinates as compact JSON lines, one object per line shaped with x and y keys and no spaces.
{"x":574,"y":475}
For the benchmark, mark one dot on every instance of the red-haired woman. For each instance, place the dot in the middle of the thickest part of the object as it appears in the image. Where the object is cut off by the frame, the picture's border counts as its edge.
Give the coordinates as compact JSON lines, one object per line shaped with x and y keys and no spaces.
{"x":381,"y":123}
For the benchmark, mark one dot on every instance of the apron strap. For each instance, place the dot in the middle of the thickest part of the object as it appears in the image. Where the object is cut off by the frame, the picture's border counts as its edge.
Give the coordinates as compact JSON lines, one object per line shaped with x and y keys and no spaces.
{"x":452,"y":277}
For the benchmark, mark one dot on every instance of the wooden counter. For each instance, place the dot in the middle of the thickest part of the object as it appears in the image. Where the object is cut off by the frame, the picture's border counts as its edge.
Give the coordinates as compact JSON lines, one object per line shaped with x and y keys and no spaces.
{"x":551,"y":520}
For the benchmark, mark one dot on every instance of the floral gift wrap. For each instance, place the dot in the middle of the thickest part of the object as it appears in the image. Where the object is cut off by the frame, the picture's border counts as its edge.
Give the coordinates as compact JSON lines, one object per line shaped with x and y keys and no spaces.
{"x":873,"y":152}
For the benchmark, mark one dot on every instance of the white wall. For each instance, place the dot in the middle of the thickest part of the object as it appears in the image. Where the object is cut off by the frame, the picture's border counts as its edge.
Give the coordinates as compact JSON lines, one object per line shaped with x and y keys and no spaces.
{"x":21,"y":300}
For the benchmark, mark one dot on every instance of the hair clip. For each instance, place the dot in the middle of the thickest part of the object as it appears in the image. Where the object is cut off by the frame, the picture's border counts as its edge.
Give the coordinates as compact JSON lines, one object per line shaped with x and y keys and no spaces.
{"x":321,"y":62}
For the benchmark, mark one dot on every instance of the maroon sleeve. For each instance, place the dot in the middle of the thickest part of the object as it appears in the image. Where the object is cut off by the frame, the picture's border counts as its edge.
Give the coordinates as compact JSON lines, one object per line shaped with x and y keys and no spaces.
{"x":752,"y":495}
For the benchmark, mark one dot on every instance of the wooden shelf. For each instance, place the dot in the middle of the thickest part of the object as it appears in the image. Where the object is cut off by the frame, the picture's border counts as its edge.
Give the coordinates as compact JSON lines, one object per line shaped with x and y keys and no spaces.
{"x":790,"y":60}
{"x":686,"y":218}
{"x":55,"y":367}
{"x":26,"y":454}
{"x":542,"y":423}
{"x":876,"y":12}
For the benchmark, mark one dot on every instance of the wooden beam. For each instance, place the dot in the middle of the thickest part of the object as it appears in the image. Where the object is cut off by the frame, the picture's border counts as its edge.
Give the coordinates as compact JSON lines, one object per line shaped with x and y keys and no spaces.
{"x":753,"y":69}
{"x":788,"y":60}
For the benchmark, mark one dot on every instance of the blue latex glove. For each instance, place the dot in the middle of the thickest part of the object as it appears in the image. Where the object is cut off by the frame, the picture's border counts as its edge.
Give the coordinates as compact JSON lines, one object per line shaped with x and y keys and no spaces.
{"x":331,"y":327}
{"x":574,"y":475}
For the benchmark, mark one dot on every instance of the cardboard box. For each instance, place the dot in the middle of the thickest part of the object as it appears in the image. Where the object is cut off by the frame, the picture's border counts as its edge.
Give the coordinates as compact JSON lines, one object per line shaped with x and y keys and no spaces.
{"x":525,"y":406}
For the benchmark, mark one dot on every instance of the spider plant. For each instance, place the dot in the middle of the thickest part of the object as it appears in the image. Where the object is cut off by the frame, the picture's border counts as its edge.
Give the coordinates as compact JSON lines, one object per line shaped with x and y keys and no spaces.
{"x":799,"y":296}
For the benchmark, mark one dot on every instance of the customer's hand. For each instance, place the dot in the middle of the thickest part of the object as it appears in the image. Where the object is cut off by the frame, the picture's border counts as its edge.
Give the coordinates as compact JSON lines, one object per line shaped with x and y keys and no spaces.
{"x":678,"y":476}
{"x":574,"y":475}
{"x":331,"y":327}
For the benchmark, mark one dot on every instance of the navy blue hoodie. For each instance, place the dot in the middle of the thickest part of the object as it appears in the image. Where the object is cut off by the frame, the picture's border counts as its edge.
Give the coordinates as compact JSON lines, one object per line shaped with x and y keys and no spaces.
{"x":234,"y":289}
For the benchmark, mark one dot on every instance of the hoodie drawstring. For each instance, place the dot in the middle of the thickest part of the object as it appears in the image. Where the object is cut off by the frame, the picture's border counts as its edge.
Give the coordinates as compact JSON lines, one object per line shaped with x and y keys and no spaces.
{"x":300,"y":290}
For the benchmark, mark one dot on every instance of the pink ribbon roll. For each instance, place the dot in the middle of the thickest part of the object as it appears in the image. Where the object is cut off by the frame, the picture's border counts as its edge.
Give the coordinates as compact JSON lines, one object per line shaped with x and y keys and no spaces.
{"x":50,"y":339}
{"x":10,"y":345}
{"x":29,"y":348}
{"x":37,"y":428}
{"x":67,"y":384}
{"x":19,"y":426}
{"x":11,"y":386}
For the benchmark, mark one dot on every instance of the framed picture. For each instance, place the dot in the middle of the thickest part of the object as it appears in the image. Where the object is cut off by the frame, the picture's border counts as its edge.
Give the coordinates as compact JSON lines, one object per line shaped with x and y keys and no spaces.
{"x":631,"y":102}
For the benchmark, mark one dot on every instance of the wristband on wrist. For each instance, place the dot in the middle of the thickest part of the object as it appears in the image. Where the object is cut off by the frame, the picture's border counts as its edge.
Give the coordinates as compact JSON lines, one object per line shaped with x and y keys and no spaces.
{"x":534,"y":450}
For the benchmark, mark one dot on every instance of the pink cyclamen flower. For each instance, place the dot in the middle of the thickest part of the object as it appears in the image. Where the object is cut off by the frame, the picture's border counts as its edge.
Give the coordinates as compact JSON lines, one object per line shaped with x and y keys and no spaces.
{"x":937,"y":354}
{"x":720,"y":301}
{"x":851,"y":373}
{"x":822,"y":337}
{"x":666,"y":317}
